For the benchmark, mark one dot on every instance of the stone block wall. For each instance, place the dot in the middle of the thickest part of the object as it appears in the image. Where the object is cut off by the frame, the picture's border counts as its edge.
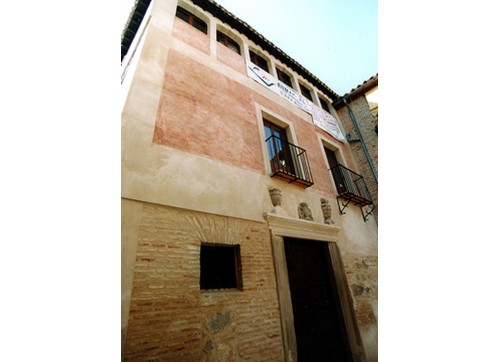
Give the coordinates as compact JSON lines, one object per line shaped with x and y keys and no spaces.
{"x":362,"y":277}
{"x":171,"y":319}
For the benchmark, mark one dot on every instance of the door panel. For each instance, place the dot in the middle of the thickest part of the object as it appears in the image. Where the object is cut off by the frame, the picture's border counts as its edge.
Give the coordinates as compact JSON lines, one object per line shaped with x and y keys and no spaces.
{"x":318,"y":320}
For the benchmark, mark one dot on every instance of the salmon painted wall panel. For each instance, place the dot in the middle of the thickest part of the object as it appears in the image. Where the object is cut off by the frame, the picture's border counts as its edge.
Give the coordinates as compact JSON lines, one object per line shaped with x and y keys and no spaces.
{"x":231,"y":58}
{"x":191,"y":35}
{"x":206,"y":113}
{"x":203,"y":112}
{"x":307,"y":138}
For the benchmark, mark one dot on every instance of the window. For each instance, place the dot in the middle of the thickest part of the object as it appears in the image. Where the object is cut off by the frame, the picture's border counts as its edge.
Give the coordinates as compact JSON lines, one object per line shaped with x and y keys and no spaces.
{"x":335,"y":170}
{"x":285,"y":78}
{"x":288,"y":161}
{"x":220,"y":266}
{"x":324,"y":105}
{"x":228,"y":42}
{"x":191,"y":19}
{"x":305,"y":92}
{"x":277,"y":146}
{"x":350,"y":185}
{"x":258,"y":60}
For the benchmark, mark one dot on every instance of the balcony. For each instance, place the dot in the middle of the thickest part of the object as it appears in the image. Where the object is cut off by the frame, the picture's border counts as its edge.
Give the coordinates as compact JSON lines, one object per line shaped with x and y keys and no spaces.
{"x":351,"y":186}
{"x":288,"y":162}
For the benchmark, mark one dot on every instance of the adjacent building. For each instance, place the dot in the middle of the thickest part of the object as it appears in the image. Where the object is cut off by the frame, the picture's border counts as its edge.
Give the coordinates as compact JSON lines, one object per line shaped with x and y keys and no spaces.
{"x":246,"y":225}
{"x":359,"y":116}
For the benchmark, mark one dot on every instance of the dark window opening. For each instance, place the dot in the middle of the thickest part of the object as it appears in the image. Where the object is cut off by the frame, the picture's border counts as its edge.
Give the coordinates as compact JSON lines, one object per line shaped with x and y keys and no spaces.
{"x":285,"y":78}
{"x":228,"y":42}
{"x":324,"y":105}
{"x":258,"y":60}
{"x":334,"y":169}
{"x":191,"y":19}
{"x":220,"y":266}
{"x":305,"y":92}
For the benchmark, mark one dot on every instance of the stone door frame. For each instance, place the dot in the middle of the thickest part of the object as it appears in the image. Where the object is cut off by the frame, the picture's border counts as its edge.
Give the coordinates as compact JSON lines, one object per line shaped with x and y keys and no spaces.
{"x":282,"y":227}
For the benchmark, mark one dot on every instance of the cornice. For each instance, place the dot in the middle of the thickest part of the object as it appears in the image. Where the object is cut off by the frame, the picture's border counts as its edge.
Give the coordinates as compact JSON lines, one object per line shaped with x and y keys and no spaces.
{"x":297,"y":228}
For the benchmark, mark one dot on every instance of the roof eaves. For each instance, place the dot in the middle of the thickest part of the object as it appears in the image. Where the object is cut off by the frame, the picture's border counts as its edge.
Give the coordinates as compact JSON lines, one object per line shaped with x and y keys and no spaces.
{"x":133,"y":23}
{"x":241,"y":26}
{"x":361,"y":89}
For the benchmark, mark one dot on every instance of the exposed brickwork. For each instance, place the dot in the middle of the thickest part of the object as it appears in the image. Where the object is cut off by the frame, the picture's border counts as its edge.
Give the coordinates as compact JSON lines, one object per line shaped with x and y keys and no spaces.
{"x":172,"y":320}
{"x":366,"y":123}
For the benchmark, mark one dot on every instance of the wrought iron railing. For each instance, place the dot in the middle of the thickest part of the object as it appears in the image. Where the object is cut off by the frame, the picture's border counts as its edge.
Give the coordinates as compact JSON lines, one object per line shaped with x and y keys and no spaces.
{"x":351,"y":185}
{"x":289,"y":161}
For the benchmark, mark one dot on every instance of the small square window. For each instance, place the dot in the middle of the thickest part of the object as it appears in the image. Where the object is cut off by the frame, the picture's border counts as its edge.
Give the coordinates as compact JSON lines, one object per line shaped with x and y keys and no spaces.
{"x":220,"y":267}
{"x":285,"y":78}
{"x":305,"y":92}
{"x":257,"y":59}
{"x":324,"y":105}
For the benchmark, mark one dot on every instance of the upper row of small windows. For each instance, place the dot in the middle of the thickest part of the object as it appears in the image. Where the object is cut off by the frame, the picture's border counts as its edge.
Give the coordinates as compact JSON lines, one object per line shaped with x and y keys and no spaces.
{"x":254,"y":57}
{"x":199,"y":24}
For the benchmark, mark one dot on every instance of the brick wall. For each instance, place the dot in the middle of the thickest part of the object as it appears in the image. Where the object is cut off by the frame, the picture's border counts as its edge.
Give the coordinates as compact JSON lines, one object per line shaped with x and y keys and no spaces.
{"x":366,"y":124}
{"x":172,"y":320}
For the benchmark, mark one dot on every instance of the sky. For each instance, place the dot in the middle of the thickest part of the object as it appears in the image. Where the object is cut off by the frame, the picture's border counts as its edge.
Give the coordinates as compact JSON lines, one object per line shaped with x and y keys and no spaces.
{"x":336,"y":40}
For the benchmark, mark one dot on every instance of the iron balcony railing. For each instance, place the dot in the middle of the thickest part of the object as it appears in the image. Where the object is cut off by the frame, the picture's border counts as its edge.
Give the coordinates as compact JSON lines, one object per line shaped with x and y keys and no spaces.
{"x":289,"y":161}
{"x":351,"y":185}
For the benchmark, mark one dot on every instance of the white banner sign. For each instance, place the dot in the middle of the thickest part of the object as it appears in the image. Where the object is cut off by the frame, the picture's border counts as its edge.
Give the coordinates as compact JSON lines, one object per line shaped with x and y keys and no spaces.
{"x":321,"y":118}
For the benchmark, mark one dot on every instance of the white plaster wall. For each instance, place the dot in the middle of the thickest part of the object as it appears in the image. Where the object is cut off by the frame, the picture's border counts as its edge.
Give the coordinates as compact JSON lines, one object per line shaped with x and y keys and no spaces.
{"x":176,"y":178}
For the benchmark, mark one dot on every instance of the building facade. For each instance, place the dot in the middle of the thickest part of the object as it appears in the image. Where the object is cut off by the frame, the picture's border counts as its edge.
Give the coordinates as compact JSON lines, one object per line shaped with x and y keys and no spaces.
{"x":244,"y":227}
{"x":360,"y":119}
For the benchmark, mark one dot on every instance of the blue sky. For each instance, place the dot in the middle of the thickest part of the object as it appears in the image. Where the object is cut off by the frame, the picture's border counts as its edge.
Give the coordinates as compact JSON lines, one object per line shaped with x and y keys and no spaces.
{"x":336,"y":40}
